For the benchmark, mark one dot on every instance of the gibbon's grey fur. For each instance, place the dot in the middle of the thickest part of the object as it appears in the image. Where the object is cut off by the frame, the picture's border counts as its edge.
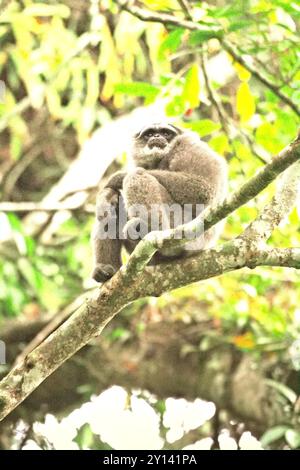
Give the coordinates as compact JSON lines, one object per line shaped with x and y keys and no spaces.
{"x":170,"y":166}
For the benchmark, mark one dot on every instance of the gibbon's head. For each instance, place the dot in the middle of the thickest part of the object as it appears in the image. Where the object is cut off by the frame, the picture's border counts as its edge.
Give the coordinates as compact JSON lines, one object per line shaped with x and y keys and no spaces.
{"x":152,"y":143}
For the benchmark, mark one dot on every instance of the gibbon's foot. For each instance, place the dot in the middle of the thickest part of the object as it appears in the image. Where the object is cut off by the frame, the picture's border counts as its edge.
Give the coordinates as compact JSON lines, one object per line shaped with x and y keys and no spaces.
{"x":135,"y":229}
{"x":103,"y":272}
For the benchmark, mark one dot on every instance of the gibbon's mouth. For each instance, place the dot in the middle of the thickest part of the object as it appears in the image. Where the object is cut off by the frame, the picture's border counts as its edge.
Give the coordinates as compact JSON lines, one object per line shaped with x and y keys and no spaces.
{"x":157,"y":142}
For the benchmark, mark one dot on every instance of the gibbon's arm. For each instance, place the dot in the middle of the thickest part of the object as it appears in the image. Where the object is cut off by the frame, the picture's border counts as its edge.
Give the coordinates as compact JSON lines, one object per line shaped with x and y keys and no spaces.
{"x":184,"y":188}
{"x":116,"y":180}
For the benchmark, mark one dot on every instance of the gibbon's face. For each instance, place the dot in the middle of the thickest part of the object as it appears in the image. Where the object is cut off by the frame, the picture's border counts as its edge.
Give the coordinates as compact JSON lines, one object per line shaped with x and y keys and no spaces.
{"x":153,"y":143}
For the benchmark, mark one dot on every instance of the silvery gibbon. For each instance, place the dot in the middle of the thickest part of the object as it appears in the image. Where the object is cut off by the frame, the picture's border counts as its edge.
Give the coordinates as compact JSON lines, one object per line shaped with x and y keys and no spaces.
{"x":171,"y":166}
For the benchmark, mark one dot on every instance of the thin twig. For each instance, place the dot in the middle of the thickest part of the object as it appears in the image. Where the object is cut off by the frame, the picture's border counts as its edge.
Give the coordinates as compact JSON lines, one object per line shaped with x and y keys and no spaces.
{"x":211,"y":94}
{"x":165,"y":19}
{"x":186,"y":8}
{"x":54,"y":207}
{"x":226,"y":122}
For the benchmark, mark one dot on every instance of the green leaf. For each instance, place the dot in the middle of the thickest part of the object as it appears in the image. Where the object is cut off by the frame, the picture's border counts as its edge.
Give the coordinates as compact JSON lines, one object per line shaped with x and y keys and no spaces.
{"x":25,"y":244}
{"x":272,"y":435}
{"x":120,"y":334}
{"x":267,"y":136}
{"x":16,"y":146}
{"x":137,"y":89}
{"x":30,"y":273}
{"x":293,"y":438}
{"x":18,"y":236}
{"x":14,"y":300}
{"x":240,"y":25}
{"x":220,"y":144}
{"x":198,"y":37}
{"x":175,"y":106}
{"x":85,"y":437}
{"x":171,"y":43}
{"x":229,"y":10}
{"x":203,"y":127}
{"x":287,"y":392}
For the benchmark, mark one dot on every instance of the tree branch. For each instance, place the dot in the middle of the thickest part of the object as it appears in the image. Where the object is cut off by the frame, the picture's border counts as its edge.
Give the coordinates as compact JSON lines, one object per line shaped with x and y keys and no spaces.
{"x":279,"y":207}
{"x":211,"y":95}
{"x":186,"y":8}
{"x":166,"y":19}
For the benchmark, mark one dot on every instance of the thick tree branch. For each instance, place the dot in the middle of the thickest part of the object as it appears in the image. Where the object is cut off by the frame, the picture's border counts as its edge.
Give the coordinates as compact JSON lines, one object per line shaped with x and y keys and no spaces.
{"x":284,"y":257}
{"x":135,"y":281}
{"x":279,"y":207}
{"x":216,"y":32}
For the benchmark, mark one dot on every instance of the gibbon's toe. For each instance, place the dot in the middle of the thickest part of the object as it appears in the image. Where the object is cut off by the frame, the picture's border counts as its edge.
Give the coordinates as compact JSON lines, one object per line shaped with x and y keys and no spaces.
{"x":103,"y":272}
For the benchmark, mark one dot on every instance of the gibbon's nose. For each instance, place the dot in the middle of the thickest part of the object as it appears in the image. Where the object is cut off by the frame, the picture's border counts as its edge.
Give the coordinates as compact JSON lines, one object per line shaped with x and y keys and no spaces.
{"x":157,"y":134}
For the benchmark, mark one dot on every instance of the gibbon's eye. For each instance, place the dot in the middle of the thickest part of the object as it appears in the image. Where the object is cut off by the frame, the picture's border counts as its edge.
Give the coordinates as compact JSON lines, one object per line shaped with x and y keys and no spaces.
{"x":147,"y":134}
{"x":168,"y":134}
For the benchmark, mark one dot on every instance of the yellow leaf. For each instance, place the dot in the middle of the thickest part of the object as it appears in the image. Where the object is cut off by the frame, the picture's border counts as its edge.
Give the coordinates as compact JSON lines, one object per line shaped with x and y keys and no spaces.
{"x":191,"y":91}
{"x":161,"y":4}
{"x":245,"y":103}
{"x":243,"y":73}
{"x":272,"y":17}
{"x":127,"y":45}
{"x":92,"y":84}
{"x":109,"y":63}
{"x":245,"y":341}
{"x":41,"y":9}
{"x":220,"y":144}
{"x":53,"y":102}
{"x":155,"y":36}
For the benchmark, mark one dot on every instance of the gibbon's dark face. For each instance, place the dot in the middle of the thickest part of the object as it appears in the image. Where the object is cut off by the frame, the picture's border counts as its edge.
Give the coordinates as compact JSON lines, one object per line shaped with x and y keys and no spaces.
{"x":152,"y":143}
{"x":157,"y":136}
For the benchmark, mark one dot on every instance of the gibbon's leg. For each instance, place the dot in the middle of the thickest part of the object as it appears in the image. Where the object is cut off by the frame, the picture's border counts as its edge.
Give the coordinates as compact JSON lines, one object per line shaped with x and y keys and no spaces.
{"x":146,"y":202}
{"x":105,"y":236}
